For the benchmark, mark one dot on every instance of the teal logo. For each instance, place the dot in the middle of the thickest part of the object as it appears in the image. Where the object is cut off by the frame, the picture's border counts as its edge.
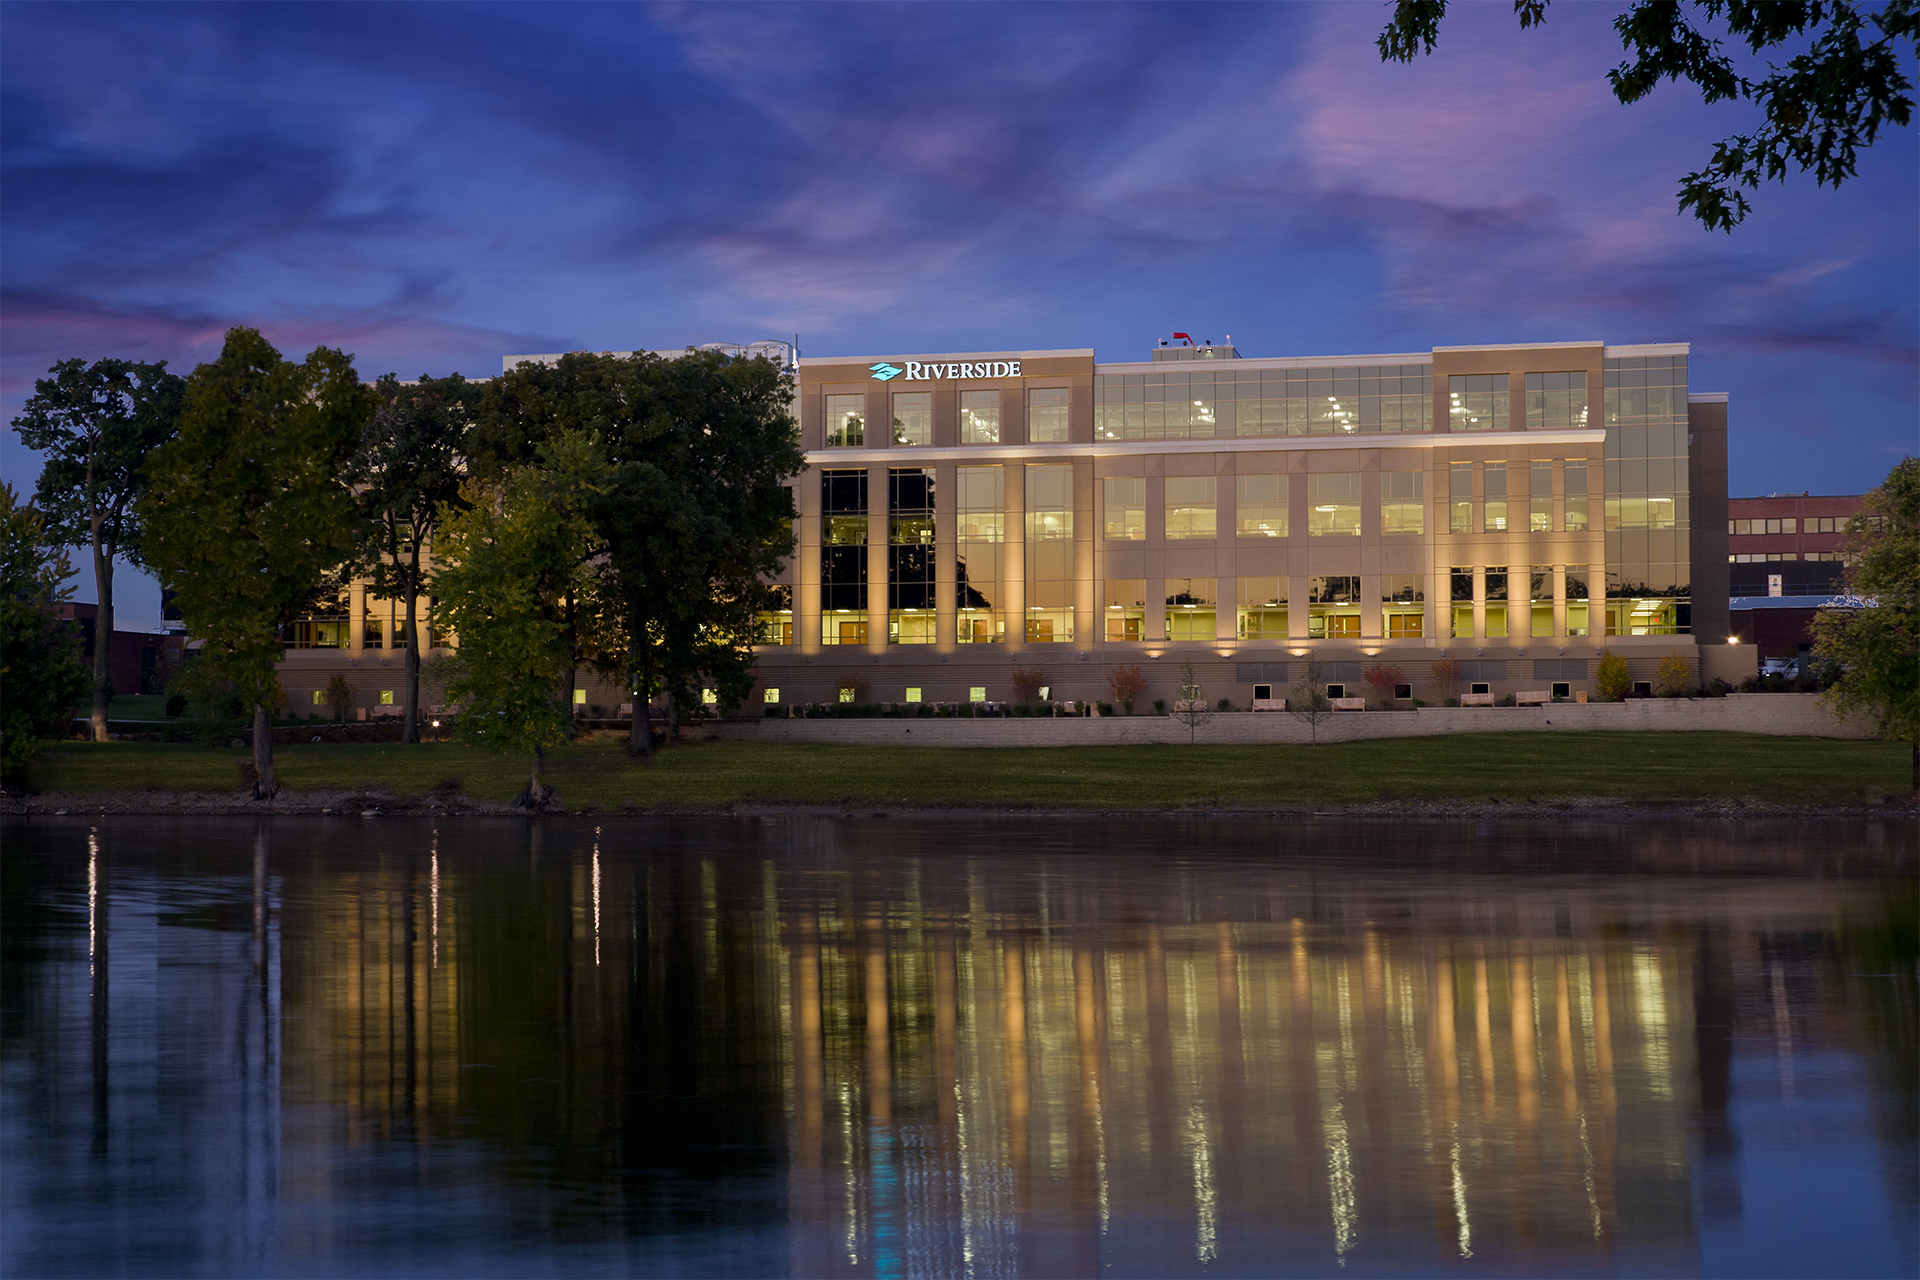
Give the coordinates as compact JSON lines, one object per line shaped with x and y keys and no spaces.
{"x":884,"y":372}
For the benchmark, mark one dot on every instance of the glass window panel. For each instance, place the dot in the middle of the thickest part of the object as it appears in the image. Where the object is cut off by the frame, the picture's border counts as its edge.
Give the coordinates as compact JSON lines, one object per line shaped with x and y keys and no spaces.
{"x":1333,"y":504}
{"x":912,"y":417}
{"x":1047,"y":415}
{"x":1260,"y":506}
{"x":1403,"y":507}
{"x":1125,"y":508}
{"x":846,"y":419}
{"x":978,"y":501}
{"x":980,"y":417}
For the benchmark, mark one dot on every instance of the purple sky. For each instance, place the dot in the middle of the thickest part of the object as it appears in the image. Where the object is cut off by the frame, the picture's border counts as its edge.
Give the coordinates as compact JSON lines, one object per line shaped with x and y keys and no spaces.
{"x":430,"y":187}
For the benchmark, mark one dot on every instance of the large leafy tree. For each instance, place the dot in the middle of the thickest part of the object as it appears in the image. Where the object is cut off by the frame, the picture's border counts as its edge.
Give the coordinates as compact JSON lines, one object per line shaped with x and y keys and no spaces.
{"x":1877,"y":642}
{"x":1819,"y":109}
{"x":692,"y":511}
{"x":513,"y":555}
{"x":408,"y":469}
{"x":96,"y":423}
{"x":249,"y":510}
{"x":41,"y":677}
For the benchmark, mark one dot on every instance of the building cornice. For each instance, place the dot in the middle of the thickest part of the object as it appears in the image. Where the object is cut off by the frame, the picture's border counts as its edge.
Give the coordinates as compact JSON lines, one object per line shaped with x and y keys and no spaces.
{"x":908,"y":455}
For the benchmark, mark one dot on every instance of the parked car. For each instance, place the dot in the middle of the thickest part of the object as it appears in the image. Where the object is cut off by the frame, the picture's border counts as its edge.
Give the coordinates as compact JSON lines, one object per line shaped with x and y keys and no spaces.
{"x":1788,"y":667}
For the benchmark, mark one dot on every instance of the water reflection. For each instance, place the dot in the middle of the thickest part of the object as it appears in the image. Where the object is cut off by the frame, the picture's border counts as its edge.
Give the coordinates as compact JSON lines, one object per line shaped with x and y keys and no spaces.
{"x":930,"y":1049}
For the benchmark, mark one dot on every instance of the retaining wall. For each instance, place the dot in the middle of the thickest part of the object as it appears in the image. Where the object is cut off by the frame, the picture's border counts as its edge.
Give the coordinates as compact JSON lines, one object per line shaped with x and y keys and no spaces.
{"x":1778,"y":714}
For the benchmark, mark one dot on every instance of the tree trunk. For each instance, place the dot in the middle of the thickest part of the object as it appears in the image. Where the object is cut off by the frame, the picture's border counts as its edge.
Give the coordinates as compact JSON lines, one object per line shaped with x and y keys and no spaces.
{"x":640,"y":665}
{"x":537,"y":793}
{"x":410,"y":727}
{"x":102,"y":640}
{"x":1916,"y":766}
{"x":264,"y":785}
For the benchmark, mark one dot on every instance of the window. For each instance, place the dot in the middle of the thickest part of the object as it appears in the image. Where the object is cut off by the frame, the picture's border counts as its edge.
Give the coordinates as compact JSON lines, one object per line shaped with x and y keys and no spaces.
{"x":910,"y":555}
{"x":977,"y":569}
{"x":1403,"y":505}
{"x":979,"y":417}
{"x":770,"y":695}
{"x":1260,"y":506}
{"x":1496,"y":596}
{"x":1789,"y":524}
{"x":1575,"y":480}
{"x":1125,"y":608}
{"x":1191,"y":507}
{"x":1640,"y":513}
{"x":1403,"y":606}
{"x":1496,"y":490}
{"x":1263,"y":692}
{"x":1333,"y":608}
{"x":913,"y":693}
{"x":1561,"y":689}
{"x":1262,"y":608}
{"x":1477,"y":402}
{"x":1049,"y":553}
{"x":977,"y":693}
{"x":1336,"y":690}
{"x":1479,"y":686}
{"x":1460,"y":497}
{"x":773,"y":623}
{"x":843,"y":557}
{"x":708,"y":697}
{"x":1575,"y":587}
{"x":319,"y":697}
{"x":1126,"y":508}
{"x":846,"y":421}
{"x":386,"y":696}
{"x":1333,"y":504}
{"x":1540,"y":497}
{"x":847,"y":693}
{"x":1190,"y":609}
{"x":1047,"y":415}
{"x":1556,"y":401}
{"x":913,"y":417}
{"x":1540,"y":600}
{"x":1460,"y":600}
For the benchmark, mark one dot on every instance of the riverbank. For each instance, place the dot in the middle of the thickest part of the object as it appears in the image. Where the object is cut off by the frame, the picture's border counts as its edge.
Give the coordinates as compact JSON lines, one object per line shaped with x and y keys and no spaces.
{"x":1462,"y":773}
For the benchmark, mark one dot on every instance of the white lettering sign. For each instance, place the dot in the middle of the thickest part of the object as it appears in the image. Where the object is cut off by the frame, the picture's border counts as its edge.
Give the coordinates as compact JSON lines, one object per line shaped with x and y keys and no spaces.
{"x":926,"y":371}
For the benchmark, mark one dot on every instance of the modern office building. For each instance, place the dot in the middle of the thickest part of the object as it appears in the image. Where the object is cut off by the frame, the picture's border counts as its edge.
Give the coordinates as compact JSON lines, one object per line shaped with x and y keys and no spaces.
{"x":1516,"y":508}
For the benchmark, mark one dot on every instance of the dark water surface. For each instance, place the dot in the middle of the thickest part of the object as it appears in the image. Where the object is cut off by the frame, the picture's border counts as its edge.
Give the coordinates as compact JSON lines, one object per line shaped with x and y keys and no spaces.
{"x":880,"y":1047}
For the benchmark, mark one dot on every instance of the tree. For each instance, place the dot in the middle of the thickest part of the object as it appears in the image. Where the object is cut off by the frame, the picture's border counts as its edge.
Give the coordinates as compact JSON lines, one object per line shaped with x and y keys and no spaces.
{"x":1026,"y":685}
{"x":1876,"y":641}
{"x":1307,"y":701}
{"x":41,"y":677}
{"x":247,"y":511}
{"x":339,"y":696}
{"x":691,"y":508}
{"x":1819,"y":110}
{"x":1446,"y":674}
{"x":1611,"y":679}
{"x":512,"y":551}
{"x":1126,"y":684}
{"x":1384,"y":677}
{"x":96,"y":423}
{"x":1191,"y":708}
{"x":1670,"y":676}
{"x":408,"y":468}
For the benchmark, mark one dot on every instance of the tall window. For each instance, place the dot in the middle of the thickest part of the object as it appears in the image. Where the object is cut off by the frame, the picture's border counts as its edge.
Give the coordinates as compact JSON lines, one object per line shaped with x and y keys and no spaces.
{"x":1579,"y":599}
{"x":1540,"y":599}
{"x":1496,"y":601}
{"x":1126,"y":508}
{"x":1496,"y":488}
{"x":1049,"y":549}
{"x":1576,"y":486}
{"x":1403,"y":503}
{"x":1333,"y":504}
{"x":846,"y":421}
{"x":1460,"y":601}
{"x":1125,"y":608}
{"x":1556,"y":400}
{"x":1403,"y":603}
{"x":1333,"y":608}
{"x":1477,"y":402}
{"x":1191,"y":507}
{"x":912,"y":417}
{"x":1263,"y":608}
{"x":843,"y":557}
{"x":982,"y":532}
{"x":1540,"y":496}
{"x":773,"y":622}
{"x":910,"y":556}
{"x":1190,"y":609}
{"x":979,"y":417}
{"x":1260,"y":506}
{"x":1047,"y":415}
{"x":1460,"y":497}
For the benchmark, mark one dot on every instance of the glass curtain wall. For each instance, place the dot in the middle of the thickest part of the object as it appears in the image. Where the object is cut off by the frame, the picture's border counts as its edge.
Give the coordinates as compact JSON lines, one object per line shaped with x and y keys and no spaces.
{"x":982,"y":537}
{"x":1403,"y":502}
{"x":1125,"y":499}
{"x":1125,"y":608}
{"x":979,"y":417}
{"x":1477,"y":402}
{"x":910,"y":556}
{"x":912,"y":418}
{"x":1333,"y":504}
{"x":1496,"y":601}
{"x":1556,"y":401}
{"x":1049,"y":551}
{"x":1208,"y":403}
{"x":843,"y":557}
{"x":1260,"y":506}
{"x":1460,"y":601}
{"x":846,"y":421}
{"x":1192,"y":507}
{"x":1649,"y":576}
{"x":1047,"y":415}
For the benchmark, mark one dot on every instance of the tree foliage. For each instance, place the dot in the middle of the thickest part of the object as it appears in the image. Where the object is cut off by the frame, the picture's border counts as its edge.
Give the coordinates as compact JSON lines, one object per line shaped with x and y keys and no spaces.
{"x":41,"y":676}
{"x":409,"y":467}
{"x":1611,"y":678}
{"x":1876,"y":643}
{"x":248,"y":510}
{"x":1126,"y":684}
{"x":96,"y":423}
{"x":1307,"y":701}
{"x":691,"y":508}
{"x":1819,"y":109}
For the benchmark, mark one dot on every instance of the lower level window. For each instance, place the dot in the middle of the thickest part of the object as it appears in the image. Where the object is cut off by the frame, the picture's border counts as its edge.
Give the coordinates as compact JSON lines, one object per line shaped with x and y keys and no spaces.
{"x":977,"y":693}
{"x":1562,"y":689}
{"x":843,"y":626}
{"x":913,"y":693}
{"x":769,"y":695}
{"x":979,"y":626}
{"x":910,"y":626}
{"x":1049,"y":626}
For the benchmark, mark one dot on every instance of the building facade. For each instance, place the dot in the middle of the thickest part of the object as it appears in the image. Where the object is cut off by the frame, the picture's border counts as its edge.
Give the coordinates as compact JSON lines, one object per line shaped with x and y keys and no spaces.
{"x":1516,"y":508}
{"x":1794,"y":538}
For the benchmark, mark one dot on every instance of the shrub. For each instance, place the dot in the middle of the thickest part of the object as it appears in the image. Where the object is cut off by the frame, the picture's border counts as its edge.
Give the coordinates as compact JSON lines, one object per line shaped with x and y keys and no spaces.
{"x":1026,"y":686}
{"x":1670,"y":677}
{"x":1223,"y":705}
{"x":1106,"y":708}
{"x":176,"y":705}
{"x":852,"y":688}
{"x":1159,"y":706}
{"x":1383,"y":676}
{"x":339,"y":697}
{"x":1611,"y":679}
{"x":1127,"y":683}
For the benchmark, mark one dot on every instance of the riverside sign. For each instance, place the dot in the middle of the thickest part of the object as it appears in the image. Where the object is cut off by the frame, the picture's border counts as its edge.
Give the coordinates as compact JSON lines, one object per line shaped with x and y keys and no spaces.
{"x":915,"y":371}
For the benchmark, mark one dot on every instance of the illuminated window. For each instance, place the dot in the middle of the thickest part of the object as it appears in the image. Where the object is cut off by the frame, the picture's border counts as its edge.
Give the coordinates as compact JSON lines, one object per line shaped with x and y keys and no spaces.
{"x":1191,"y":507}
{"x":1125,"y":517}
{"x":979,"y":417}
{"x":1262,"y":608}
{"x":1260,"y":506}
{"x":1495,"y":479}
{"x":1047,"y":415}
{"x":1477,"y":402}
{"x":912,"y":417}
{"x":1190,"y":609}
{"x":770,"y":695}
{"x":846,"y":421}
{"x":1333,"y":504}
{"x":1403,"y":505}
{"x":1556,"y":401}
{"x":1460,"y":497}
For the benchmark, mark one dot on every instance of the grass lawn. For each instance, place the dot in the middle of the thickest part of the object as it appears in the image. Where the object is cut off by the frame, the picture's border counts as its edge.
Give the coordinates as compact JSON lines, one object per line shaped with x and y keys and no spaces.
{"x":1632,"y":766}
